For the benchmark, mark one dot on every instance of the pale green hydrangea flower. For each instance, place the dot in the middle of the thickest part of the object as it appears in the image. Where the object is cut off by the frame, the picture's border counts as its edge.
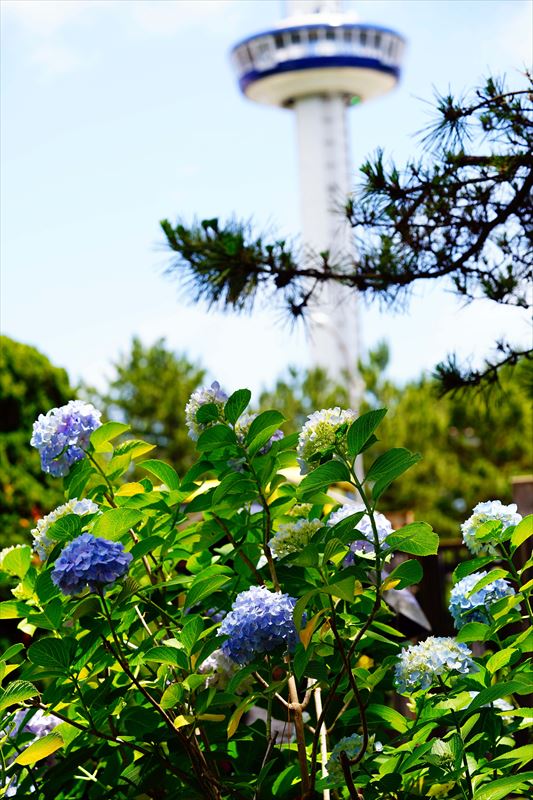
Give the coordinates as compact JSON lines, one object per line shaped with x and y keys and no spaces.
{"x":318,"y":433}
{"x":291,"y":537}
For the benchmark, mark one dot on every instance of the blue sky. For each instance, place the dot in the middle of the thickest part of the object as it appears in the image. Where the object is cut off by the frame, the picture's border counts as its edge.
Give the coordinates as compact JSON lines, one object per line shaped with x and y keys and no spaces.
{"x":117,"y":113}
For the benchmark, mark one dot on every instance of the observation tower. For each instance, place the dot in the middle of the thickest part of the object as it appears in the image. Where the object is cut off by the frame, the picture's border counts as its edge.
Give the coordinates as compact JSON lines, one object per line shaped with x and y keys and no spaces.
{"x":318,"y":62}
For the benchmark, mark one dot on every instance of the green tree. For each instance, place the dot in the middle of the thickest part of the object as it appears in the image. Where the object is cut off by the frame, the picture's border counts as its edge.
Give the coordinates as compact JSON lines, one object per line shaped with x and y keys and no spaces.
{"x":472,"y":445}
{"x":463,"y":215}
{"x":149,"y":390}
{"x":29,"y":385}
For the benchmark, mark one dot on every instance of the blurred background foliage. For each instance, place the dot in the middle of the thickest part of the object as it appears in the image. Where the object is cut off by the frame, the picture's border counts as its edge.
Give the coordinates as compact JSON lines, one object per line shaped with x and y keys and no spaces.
{"x":472,"y":443}
{"x":29,"y":386}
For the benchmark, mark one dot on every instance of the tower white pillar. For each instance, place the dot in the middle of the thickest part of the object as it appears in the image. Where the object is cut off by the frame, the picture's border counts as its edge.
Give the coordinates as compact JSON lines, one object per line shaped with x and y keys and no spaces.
{"x":324,"y":166}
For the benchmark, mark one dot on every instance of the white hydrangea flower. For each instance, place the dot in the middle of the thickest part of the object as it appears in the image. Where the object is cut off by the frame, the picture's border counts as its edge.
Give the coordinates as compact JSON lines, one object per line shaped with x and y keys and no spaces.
{"x":202,"y":397}
{"x":42,"y":545}
{"x":222,"y":669}
{"x":484,"y":512}
{"x":318,"y":433}
{"x":363,"y":546}
{"x":292,"y":537}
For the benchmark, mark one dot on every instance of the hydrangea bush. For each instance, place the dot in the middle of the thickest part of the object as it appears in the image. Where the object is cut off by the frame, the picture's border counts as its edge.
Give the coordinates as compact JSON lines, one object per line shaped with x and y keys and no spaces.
{"x":229,"y":633}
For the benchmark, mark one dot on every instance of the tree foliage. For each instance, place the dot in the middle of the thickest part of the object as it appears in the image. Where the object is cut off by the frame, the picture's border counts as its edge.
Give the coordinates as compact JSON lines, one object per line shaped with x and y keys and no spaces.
{"x":462,"y":214}
{"x":149,"y":389}
{"x":473,"y":445}
{"x":29,"y":386}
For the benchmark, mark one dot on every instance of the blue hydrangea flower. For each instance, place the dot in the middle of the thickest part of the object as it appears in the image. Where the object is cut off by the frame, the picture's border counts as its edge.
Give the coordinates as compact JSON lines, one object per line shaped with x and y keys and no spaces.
{"x":476,"y":608}
{"x":319,"y":434}
{"x":351,"y":745}
{"x":483,"y":512}
{"x":90,"y":561}
{"x":420,"y":665}
{"x":39,"y":724}
{"x":62,"y":435}
{"x":42,"y":545}
{"x":364,"y":546}
{"x":199,"y":398}
{"x":259,"y":621}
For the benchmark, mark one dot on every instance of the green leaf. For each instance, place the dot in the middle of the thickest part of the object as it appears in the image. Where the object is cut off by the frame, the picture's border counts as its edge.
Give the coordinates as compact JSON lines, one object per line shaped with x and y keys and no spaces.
{"x":54,"y":655}
{"x":114,"y":523}
{"x":164,"y":472}
{"x":50,"y":617}
{"x":395,"y":720}
{"x":491,"y":576}
{"x":267,"y":419}
{"x":191,"y":632}
{"x":503,"y":788}
{"x":167,"y":655}
{"x":66,"y":528}
{"x":207,"y":413}
{"x":203,"y":587}
{"x":134,"y":448}
{"x":17,"y":692}
{"x":471,"y":565}
{"x":473,"y":632}
{"x":235,"y":718}
{"x":78,"y":477}
{"x":388,"y":467}
{"x":45,"y":588}
{"x":322,"y":477}
{"x":362,"y":429}
{"x":106,"y":433}
{"x":496,"y":692}
{"x":216,"y":436}
{"x":40,"y":749}
{"x":406,"y":574}
{"x":501,"y":659}
{"x":417,"y":538}
{"x":17,"y":562}
{"x":13,"y":609}
{"x":345,"y":589}
{"x":172,"y":695}
{"x":236,"y":404}
{"x":523,"y":531}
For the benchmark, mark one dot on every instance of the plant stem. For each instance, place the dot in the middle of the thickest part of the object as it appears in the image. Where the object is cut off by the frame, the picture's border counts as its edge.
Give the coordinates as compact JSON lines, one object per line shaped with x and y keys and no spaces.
{"x":296,"y":709}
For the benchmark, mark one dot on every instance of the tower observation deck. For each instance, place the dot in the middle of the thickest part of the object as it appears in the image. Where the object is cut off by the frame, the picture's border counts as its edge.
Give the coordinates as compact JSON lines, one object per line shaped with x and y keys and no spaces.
{"x":318,"y":62}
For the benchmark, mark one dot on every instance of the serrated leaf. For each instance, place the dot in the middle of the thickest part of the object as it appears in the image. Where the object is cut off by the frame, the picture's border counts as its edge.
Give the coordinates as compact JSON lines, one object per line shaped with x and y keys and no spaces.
{"x":417,"y":539}
{"x":396,"y":720}
{"x":191,"y":632}
{"x":301,"y":605}
{"x":130,"y":489}
{"x":491,"y":576}
{"x":473,"y":632}
{"x":17,"y":692}
{"x":164,"y":472}
{"x":266,"y":420}
{"x":236,"y":717}
{"x":54,"y":655}
{"x":362,"y":429}
{"x":163,"y":654}
{"x":500,"y":659}
{"x":208,"y":412}
{"x":496,"y":692}
{"x":203,"y":587}
{"x":115,"y":522}
{"x":471,"y":565}
{"x":405,"y":574}
{"x":172,"y":695}
{"x":523,"y":531}
{"x":182,"y":720}
{"x":503,"y":788}
{"x":345,"y":589}
{"x":40,"y":749}
{"x":389,"y":466}
{"x":321,"y":477}
{"x":17,"y":562}
{"x":66,"y":528}
{"x":214,"y":437}
{"x":134,"y":448}
{"x":13,"y":609}
{"x":78,"y":477}
{"x":106,"y":433}
{"x":306,"y":633}
{"x":236,"y":404}
{"x":45,"y":588}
